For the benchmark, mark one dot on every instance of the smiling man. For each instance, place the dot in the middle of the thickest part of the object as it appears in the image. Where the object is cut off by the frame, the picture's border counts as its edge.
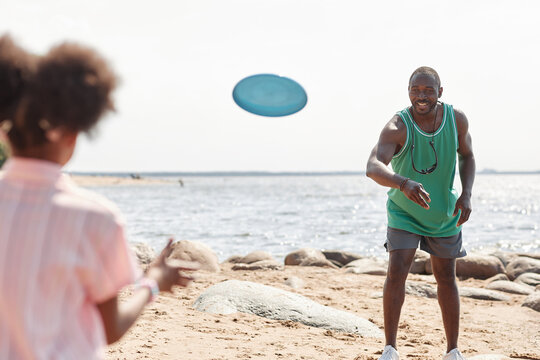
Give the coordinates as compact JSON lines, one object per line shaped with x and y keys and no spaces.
{"x":421,"y":143}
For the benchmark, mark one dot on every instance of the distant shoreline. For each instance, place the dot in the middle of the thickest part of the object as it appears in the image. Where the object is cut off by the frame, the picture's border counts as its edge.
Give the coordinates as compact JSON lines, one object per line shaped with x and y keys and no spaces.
{"x":154,"y":174}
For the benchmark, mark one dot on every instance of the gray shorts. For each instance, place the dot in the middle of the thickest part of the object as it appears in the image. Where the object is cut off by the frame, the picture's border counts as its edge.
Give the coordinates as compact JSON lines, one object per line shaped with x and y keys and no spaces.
{"x":449,"y":247}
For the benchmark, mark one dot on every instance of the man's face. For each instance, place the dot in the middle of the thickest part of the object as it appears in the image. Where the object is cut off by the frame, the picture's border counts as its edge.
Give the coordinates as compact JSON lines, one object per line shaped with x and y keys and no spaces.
{"x":423,"y":93}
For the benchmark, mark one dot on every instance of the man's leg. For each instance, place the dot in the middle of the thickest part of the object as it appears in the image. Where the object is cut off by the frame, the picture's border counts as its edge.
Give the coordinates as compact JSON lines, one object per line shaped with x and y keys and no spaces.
{"x":448,"y":295}
{"x":394,"y":291}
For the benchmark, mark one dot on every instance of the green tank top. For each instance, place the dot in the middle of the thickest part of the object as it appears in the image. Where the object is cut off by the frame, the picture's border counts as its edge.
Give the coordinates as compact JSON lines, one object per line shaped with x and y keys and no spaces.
{"x":404,"y":214}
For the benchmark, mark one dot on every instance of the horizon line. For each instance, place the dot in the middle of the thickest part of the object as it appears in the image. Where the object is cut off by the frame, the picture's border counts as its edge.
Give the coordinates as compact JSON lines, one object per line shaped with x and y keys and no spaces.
{"x":268,"y":173}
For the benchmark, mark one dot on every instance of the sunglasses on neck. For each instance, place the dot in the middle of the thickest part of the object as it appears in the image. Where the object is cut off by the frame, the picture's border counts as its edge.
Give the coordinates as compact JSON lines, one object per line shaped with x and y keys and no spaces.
{"x":432,"y":167}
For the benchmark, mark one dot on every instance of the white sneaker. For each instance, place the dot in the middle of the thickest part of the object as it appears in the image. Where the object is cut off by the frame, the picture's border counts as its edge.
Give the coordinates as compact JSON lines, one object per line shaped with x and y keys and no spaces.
{"x":389,"y":353}
{"x":454,"y":354}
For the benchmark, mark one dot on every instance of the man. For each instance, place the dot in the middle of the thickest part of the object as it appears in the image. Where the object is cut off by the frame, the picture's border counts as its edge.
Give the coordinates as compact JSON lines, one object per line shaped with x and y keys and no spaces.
{"x":421,"y":142}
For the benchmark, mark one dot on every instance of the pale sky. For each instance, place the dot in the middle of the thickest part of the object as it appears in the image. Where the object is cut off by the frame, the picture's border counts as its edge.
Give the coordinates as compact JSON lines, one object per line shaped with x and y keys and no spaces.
{"x":179,"y":60}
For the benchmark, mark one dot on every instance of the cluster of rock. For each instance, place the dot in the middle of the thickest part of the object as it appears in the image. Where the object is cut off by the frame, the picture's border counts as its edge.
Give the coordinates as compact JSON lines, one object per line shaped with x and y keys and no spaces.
{"x":503,"y":272}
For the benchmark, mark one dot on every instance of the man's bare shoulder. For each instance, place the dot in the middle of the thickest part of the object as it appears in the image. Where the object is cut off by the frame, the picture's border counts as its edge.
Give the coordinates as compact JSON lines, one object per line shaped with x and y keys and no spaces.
{"x":395,"y":130}
{"x":462,"y":123}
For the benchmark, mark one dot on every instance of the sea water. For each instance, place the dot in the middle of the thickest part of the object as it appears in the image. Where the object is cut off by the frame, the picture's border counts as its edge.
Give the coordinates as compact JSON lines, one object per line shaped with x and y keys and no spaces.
{"x":279,"y":214}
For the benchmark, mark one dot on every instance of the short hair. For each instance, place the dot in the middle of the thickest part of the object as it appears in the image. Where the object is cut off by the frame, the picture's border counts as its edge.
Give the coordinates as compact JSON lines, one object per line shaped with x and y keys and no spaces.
{"x":426,"y":70}
{"x":71,"y":89}
{"x":16,"y":68}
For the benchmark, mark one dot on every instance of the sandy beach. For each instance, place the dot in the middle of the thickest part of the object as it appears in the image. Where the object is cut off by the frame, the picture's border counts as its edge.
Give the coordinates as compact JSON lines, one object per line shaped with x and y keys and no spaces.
{"x":171,"y":328}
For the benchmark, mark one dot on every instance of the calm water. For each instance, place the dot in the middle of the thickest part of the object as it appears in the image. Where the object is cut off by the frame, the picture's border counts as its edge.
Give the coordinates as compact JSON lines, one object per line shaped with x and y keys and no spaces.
{"x":236,"y":215}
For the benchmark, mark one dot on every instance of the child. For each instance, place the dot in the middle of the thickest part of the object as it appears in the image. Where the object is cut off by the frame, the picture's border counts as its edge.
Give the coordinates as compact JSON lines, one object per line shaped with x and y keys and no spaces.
{"x":16,"y":67}
{"x":63,"y":251}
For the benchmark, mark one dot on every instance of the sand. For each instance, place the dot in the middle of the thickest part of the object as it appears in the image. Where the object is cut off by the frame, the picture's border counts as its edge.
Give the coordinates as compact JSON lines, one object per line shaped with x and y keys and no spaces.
{"x":171,"y":329}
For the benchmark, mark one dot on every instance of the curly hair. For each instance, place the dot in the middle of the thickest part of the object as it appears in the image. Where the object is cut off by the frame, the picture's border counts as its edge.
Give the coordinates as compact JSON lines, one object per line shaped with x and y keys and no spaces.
{"x":426,"y":70}
{"x":71,"y":89}
{"x":16,"y":69}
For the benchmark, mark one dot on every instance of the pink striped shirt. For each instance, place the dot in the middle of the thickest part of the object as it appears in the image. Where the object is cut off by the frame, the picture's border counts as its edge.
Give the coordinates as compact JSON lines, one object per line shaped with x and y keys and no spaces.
{"x":62,"y":251}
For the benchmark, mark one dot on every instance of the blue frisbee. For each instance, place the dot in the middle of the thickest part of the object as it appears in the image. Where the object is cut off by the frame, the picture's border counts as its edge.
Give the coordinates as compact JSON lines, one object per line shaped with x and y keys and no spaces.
{"x":269,"y":95}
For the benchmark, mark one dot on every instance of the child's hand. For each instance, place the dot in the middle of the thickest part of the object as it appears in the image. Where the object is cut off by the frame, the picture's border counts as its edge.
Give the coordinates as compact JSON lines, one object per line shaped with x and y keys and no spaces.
{"x":167,"y":273}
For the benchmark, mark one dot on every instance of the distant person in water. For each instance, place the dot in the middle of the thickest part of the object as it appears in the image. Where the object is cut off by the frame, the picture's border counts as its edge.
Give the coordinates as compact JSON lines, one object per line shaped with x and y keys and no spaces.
{"x":63,"y":251}
{"x":421,"y":142}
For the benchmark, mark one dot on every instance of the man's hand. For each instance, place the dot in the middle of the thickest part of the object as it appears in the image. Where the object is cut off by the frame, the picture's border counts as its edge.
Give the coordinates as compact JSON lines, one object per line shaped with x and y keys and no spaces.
{"x":463,"y":204}
{"x":168,"y":272}
{"x":415,"y":192}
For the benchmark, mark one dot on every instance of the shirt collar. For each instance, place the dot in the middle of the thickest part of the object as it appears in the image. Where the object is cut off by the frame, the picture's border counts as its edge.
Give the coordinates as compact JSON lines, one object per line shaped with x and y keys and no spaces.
{"x":31,"y":169}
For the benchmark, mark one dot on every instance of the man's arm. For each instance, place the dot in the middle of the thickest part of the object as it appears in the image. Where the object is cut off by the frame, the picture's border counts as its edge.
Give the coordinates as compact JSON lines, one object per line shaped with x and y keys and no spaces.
{"x":392,"y":137}
{"x":467,"y":167}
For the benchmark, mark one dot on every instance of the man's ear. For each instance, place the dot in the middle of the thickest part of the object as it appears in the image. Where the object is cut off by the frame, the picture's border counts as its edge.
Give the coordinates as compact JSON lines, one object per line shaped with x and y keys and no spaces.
{"x":440,"y":91}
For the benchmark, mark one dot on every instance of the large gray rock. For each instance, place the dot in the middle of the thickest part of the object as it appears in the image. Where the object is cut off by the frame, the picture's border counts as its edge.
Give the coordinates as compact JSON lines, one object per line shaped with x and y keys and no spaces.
{"x":522,"y":265}
{"x":533,"y":301}
{"x":233,"y":259}
{"x":256,"y":256}
{"x":419,"y":289}
{"x":367,"y":266}
{"x":196,"y":251}
{"x":308,"y":257}
{"x":478,"y":266}
{"x":498,"y":277}
{"x":531,"y":279}
{"x":233,"y":296}
{"x":482,"y":294}
{"x":342,"y":257}
{"x":530,"y":255}
{"x":259,"y":265}
{"x":418,"y":266}
{"x":143,"y":252}
{"x":510,"y":287}
{"x":505,"y":257}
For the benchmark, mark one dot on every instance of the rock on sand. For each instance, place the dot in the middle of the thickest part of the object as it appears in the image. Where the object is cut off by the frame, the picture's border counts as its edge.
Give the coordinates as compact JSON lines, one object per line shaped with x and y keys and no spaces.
{"x":196,"y":251}
{"x":252,"y":298}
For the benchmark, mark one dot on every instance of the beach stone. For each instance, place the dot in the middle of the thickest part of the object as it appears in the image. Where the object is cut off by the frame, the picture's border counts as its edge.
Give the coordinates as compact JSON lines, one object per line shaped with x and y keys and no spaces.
{"x":478,"y":266}
{"x":522,"y":265}
{"x":294,"y":282}
{"x":196,"y":251}
{"x":510,"y":287}
{"x":342,"y":257}
{"x":419,"y":289}
{"x":144,"y":253}
{"x":337,"y":263}
{"x":489,"y":357}
{"x":308,"y":257}
{"x":259,"y":265}
{"x":429,"y":269}
{"x":498,"y":277}
{"x":505,"y":257}
{"x":533,"y":301}
{"x":256,"y":256}
{"x":482,"y":294}
{"x":319,"y":263}
{"x":233,"y":259}
{"x":531,"y":279}
{"x":530,"y":255}
{"x":367,"y":266}
{"x":418,"y":265}
{"x":233,"y":296}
